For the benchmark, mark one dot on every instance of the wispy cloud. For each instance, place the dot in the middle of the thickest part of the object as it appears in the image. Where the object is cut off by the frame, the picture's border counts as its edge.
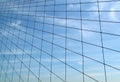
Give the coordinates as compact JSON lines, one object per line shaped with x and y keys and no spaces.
{"x":113,"y":14}
{"x":75,"y":24}
{"x":15,"y":24}
{"x":73,"y":6}
{"x":18,"y":52}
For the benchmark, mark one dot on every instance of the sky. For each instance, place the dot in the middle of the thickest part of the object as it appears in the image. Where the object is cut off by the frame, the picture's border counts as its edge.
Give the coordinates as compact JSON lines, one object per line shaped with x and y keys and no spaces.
{"x":51,"y":44}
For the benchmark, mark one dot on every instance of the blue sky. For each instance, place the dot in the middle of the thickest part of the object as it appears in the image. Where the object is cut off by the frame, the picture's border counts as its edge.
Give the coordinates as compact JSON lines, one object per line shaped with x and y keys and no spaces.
{"x":14,"y":21}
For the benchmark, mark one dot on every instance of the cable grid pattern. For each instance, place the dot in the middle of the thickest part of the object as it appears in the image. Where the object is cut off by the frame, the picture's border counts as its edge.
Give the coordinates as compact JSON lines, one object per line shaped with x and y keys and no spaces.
{"x":59,"y":40}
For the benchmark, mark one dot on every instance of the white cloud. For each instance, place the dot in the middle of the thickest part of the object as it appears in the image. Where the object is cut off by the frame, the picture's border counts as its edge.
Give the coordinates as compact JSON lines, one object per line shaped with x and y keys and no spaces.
{"x":75,"y":24}
{"x":73,"y":6}
{"x":15,"y":24}
{"x":17,"y":52}
{"x":3,"y":33}
{"x":113,"y":15}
